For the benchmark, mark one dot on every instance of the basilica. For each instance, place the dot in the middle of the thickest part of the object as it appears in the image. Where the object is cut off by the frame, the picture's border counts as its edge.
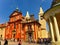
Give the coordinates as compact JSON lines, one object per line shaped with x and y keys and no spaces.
{"x":24,"y":27}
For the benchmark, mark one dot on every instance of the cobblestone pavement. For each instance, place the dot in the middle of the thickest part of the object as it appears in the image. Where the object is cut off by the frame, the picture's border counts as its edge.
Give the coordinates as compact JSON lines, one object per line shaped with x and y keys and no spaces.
{"x":23,"y":43}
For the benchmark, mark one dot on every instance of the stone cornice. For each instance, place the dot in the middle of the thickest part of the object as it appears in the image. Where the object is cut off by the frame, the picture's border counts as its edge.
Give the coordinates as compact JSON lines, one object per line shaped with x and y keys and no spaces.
{"x":56,"y":4}
{"x":52,"y":11}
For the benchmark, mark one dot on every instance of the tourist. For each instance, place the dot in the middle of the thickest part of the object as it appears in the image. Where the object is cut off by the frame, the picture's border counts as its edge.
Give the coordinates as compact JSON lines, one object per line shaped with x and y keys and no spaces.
{"x":6,"y":42}
{"x":19,"y":42}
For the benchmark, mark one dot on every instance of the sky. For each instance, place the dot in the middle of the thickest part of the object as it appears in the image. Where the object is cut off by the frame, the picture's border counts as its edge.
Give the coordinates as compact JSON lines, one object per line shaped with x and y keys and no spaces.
{"x":32,"y":6}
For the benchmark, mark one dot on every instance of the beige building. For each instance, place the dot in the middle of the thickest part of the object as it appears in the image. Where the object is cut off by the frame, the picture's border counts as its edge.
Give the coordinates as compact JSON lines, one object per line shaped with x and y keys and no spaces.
{"x":2,"y":31}
{"x":42,"y":33}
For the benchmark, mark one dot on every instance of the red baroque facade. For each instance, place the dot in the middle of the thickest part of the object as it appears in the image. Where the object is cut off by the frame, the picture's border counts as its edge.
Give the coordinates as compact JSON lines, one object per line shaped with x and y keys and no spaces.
{"x":19,"y":27}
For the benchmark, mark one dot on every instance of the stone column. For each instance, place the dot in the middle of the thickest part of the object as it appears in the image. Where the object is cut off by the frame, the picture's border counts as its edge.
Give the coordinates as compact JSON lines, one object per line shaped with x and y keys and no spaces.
{"x":56,"y":28}
{"x":52,"y":32}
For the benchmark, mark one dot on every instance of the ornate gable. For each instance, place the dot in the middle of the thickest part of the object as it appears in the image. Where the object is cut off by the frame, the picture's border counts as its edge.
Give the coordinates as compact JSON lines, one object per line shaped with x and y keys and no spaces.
{"x":15,"y":13}
{"x":15,"y":16}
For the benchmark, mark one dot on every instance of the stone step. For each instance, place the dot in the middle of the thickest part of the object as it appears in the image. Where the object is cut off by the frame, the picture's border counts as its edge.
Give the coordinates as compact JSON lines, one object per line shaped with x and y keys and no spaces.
{"x":16,"y":43}
{"x":23,"y":43}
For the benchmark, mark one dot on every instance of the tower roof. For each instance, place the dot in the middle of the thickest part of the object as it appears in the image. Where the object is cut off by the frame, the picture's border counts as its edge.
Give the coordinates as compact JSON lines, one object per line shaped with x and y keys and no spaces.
{"x":41,"y":11}
{"x":17,"y":9}
{"x":27,"y":15}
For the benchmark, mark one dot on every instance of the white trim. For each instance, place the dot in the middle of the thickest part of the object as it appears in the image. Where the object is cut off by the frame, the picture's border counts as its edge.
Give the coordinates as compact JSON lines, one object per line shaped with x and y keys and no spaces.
{"x":56,"y":4}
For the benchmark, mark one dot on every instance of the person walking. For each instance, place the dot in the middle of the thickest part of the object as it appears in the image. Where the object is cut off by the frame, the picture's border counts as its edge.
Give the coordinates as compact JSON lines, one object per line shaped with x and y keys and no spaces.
{"x":6,"y":42}
{"x":19,"y":42}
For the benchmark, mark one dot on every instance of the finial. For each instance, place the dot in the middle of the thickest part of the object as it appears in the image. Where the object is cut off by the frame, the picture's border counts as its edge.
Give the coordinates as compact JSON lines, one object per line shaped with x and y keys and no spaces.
{"x":17,"y":9}
{"x":27,"y":15}
{"x":41,"y":11}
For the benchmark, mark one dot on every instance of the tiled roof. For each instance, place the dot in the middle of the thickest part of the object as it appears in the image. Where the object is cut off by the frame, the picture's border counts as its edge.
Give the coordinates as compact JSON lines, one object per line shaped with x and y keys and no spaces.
{"x":3,"y":25}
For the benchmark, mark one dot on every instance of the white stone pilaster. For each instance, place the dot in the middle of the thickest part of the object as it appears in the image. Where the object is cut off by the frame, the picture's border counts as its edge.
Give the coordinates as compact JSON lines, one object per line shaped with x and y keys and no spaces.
{"x":52,"y":32}
{"x":56,"y":28}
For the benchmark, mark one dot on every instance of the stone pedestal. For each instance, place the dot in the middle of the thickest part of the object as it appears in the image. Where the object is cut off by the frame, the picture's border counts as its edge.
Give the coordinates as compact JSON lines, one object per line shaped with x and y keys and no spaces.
{"x":52,"y":43}
{"x":55,"y":43}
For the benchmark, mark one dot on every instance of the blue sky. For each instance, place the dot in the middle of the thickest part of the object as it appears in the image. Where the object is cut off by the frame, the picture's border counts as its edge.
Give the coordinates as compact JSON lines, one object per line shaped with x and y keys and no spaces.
{"x":33,"y":6}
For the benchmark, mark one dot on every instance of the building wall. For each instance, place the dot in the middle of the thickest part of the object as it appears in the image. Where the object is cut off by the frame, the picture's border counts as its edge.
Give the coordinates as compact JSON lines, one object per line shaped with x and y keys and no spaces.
{"x":14,"y":26}
{"x":39,"y":33}
{"x":2,"y":32}
{"x":44,"y":34}
{"x":34,"y":29}
{"x":21,"y":29}
{"x":36,"y":32}
{"x":43,"y":23}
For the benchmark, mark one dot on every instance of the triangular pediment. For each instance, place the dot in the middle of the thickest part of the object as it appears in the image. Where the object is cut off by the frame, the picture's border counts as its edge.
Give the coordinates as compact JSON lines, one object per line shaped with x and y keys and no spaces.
{"x":15,"y":13}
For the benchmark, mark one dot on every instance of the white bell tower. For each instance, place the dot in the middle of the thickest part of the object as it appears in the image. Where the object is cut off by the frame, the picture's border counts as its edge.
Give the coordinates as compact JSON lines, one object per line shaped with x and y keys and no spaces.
{"x":41,"y":12}
{"x":27,"y":15}
{"x":41,"y":19}
{"x":43,"y":32}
